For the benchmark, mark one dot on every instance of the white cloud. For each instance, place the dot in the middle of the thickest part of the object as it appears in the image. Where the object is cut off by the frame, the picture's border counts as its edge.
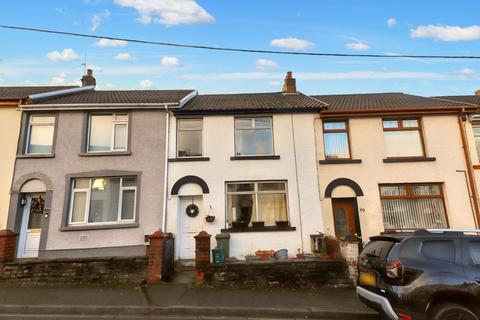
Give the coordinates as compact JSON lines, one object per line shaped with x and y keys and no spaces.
{"x":357,"y":46}
{"x":97,"y":20}
{"x":59,"y":80}
{"x":146,"y":83}
{"x":95,"y":68}
{"x":391,"y":22}
{"x":110,"y":43}
{"x":447,"y":33}
{"x":265,"y":63}
{"x":124,"y":56}
{"x":274,"y":83}
{"x":168,"y":12}
{"x":465,"y":72}
{"x":292,"y":43}
{"x":66,"y":55}
{"x":173,"y":62}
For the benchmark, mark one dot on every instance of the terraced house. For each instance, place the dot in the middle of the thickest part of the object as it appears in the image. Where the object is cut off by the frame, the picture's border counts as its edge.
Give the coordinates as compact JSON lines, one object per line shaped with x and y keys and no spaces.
{"x":90,"y":173}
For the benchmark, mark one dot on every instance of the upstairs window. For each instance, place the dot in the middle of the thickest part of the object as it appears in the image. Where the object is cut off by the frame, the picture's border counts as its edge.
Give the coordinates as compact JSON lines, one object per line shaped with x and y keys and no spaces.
{"x":102,"y":200}
{"x":403,"y":138}
{"x":189,"y":137}
{"x":40,"y":134}
{"x":108,"y":133}
{"x":336,"y":140}
{"x":253,"y":136}
{"x":476,"y":135}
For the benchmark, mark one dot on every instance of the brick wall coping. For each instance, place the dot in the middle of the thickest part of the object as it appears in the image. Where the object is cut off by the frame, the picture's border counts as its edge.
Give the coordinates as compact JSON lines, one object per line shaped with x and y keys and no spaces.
{"x":72,"y":260}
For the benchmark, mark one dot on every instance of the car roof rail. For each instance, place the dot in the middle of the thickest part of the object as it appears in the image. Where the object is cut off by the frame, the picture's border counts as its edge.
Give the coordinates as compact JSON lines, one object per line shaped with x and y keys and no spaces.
{"x":450,"y":231}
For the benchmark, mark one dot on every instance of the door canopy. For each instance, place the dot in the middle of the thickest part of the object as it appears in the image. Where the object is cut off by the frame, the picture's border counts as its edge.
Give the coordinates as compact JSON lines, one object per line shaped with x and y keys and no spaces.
{"x":343,"y":182}
{"x":187,"y":180}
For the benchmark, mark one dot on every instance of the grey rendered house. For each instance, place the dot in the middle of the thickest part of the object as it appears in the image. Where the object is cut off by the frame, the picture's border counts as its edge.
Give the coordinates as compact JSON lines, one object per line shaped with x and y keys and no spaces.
{"x":90,"y":172}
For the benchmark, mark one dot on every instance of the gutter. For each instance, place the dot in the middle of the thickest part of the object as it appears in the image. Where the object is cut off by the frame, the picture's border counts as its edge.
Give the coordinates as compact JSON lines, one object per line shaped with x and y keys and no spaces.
{"x":96,"y":106}
{"x":470,"y":173}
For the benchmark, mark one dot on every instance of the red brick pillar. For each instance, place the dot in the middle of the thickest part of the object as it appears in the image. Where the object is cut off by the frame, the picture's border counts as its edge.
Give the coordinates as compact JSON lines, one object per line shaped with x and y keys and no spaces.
{"x":202,"y":255}
{"x":155,"y":257}
{"x":8,"y":243}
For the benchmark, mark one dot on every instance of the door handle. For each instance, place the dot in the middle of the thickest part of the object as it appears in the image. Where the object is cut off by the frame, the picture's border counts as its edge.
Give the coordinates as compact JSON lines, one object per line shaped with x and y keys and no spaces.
{"x":357,"y":236}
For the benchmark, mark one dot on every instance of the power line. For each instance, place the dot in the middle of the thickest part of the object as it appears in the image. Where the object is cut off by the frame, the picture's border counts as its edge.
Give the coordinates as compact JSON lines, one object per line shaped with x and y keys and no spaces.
{"x":191,"y":46}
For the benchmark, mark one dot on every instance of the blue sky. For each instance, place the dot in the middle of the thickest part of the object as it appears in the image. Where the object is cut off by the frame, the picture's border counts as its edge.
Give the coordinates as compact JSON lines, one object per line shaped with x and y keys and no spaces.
{"x":384,"y":27}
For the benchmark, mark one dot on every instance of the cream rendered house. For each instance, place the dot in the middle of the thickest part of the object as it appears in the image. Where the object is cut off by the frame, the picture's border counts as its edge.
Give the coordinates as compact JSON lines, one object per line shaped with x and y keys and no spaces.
{"x":393,"y":161}
{"x":10,"y":98}
{"x":245,"y":165}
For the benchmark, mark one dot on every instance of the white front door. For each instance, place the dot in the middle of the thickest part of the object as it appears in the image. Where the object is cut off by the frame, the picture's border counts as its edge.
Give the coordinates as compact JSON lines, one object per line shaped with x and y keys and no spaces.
{"x":31,"y":228}
{"x":190,"y":225}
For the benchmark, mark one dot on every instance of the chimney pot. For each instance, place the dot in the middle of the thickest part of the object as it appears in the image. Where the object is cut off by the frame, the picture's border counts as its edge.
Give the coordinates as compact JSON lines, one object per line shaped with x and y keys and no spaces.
{"x":89,"y":79}
{"x":290,"y":85}
{"x":89,"y":72}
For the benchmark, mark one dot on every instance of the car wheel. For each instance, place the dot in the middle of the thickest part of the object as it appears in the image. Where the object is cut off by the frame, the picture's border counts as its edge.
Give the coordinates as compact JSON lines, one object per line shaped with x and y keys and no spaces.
{"x":453,"y":311}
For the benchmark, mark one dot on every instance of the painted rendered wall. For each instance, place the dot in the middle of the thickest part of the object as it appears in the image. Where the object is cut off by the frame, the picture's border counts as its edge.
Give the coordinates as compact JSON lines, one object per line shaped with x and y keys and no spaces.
{"x":442,"y":140}
{"x":148,"y":149}
{"x":9,"y":131}
{"x":218,"y":144}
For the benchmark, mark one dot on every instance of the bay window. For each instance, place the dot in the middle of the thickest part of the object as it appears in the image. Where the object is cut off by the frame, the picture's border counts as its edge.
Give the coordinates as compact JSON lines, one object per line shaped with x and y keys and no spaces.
{"x":257,"y":201}
{"x":102,"y":200}
{"x":253,"y":136}
{"x":413,"y":206}
{"x":40,"y":134}
{"x":403,"y":138}
{"x":108,"y":132}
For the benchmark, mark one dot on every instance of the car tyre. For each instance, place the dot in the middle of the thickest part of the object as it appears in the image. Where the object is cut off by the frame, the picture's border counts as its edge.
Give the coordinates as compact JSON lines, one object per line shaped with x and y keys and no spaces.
{"x":453,"y":311}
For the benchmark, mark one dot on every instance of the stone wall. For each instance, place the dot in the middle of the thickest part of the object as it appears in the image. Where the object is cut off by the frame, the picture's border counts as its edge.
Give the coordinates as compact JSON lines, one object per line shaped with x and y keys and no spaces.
{"x":76,"y":271}
{"x":292,"y":273}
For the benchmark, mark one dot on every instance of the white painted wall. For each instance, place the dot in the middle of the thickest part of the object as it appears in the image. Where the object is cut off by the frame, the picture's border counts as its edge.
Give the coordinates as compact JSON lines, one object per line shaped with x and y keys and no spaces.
{"x":442,"y":140}
{"x":218,"y":144}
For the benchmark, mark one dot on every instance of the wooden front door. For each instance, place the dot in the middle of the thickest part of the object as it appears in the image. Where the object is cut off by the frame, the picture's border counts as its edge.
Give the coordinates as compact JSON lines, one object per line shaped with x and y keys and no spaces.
{"x":344,"y":216}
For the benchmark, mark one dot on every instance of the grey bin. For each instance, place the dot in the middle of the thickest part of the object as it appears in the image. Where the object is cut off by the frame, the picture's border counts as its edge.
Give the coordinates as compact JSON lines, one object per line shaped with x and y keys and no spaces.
{"x":223,"y":241}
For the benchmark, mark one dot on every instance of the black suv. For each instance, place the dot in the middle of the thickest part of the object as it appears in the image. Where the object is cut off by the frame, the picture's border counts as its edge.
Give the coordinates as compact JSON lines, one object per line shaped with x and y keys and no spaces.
{"x":425,"y":274}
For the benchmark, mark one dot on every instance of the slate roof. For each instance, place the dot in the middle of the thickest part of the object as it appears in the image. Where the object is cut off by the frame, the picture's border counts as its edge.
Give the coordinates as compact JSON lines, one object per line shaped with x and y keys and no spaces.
{"x":471,"y":99}
{"x":251,"y":102}
{"x":119,"y":96}
{"x":377,"y":102}
{"x":17,"y":93}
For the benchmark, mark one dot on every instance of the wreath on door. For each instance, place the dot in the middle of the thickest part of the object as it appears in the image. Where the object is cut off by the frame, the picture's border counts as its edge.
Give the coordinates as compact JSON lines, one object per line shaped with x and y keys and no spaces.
{"x":192,"y":210}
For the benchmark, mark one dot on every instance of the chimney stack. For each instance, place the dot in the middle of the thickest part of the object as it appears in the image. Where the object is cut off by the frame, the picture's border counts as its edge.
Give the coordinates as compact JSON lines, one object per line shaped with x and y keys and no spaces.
{"x":89,"y":79}
{"x":290,"y":85}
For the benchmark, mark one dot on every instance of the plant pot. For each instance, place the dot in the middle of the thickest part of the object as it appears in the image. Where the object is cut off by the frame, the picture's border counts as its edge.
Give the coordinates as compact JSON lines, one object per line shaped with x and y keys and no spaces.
{"x":210,"y":218}
{"x":282,"y":224}
{"x":258,"y":224}
{"x":239,"y":224}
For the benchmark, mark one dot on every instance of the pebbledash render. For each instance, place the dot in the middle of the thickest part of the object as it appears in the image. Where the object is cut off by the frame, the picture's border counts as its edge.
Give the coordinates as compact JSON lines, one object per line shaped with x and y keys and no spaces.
{"x":90,"y":172}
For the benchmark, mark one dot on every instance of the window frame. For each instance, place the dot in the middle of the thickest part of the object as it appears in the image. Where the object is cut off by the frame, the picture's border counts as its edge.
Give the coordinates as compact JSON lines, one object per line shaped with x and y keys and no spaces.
{"x":410,"y":195}
{"x":112,"y":137}
{"x":256,"y":192}
{"x":476,"y":123}
{"x":346,"y":130}
{"x":252,"y":118}
{"x":178,"y":139}
{"x":401,"y":127}
{"x":86,"y":214}
{"x":28,"y":123}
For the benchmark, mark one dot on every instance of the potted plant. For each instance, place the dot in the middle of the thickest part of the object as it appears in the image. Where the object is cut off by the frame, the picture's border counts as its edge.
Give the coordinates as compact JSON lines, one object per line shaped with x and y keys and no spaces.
{"x":240,"y":224}
{"x":282,"y":224}
{"x":210,"y":218}
{"x":258,"y":224}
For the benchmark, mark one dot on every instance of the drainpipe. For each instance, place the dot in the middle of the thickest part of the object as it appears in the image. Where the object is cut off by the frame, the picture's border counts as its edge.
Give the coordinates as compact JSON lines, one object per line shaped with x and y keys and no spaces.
{"x":470,"y":173}
{"x":165,"y":174}
{"x":297,"y":183}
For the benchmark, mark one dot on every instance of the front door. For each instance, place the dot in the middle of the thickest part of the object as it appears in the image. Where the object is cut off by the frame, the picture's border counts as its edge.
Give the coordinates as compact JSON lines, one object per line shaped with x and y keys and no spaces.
{"x":345,"y":218}
{"x":31,"y":227}
{"x":191,"y":224}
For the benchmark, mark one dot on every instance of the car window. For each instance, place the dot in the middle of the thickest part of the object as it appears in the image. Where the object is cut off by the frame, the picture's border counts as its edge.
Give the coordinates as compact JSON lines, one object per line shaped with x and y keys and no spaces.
{"x":474,"y":251}
{"x":378,"y":249}
{"x":439,"y":250}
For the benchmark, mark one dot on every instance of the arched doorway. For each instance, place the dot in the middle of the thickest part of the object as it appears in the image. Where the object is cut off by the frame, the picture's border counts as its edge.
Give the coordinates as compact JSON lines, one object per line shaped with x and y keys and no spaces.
{"x":32,"y":202}
{"x":191,"y":213}
{"x":344,"y":193}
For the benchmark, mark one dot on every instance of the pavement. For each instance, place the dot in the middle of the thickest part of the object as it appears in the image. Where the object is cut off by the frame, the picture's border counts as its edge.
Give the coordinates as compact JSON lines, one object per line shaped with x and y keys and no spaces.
{"x":178,"y":301}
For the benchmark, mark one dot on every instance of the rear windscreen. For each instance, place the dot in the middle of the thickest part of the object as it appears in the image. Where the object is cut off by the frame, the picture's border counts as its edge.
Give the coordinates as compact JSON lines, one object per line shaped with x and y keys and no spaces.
{"x":375,"y":252}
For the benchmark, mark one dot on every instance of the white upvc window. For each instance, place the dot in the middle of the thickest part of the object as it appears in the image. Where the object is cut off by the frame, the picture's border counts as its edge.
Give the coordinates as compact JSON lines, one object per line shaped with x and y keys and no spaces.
{"x":40,"y":134}
{"x":189,"y":137}
{"x":253,"y":136}
{"x":108,"y":132}
{"x":102,"y":200}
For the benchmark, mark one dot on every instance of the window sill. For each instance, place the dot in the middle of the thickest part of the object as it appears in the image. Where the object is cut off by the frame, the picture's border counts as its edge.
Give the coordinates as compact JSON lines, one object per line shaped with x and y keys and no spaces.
{"x":102,"y":154}
{"x":340,"y":161}
{"x":273,"y":157}
{"x":34,"y":156}
{"x":409,"y":159}
{"x":186,"y":159}
{"x":262,"y":229}
{"x":100,"y":227}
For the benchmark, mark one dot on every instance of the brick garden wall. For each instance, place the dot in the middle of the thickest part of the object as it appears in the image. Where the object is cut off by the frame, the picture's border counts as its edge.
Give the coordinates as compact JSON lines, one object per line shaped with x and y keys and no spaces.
{"x":76,"y":271}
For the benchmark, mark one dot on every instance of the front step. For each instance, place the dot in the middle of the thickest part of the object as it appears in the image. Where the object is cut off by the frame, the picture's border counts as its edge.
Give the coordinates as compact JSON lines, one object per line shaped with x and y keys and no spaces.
{"x":185,"y":265}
